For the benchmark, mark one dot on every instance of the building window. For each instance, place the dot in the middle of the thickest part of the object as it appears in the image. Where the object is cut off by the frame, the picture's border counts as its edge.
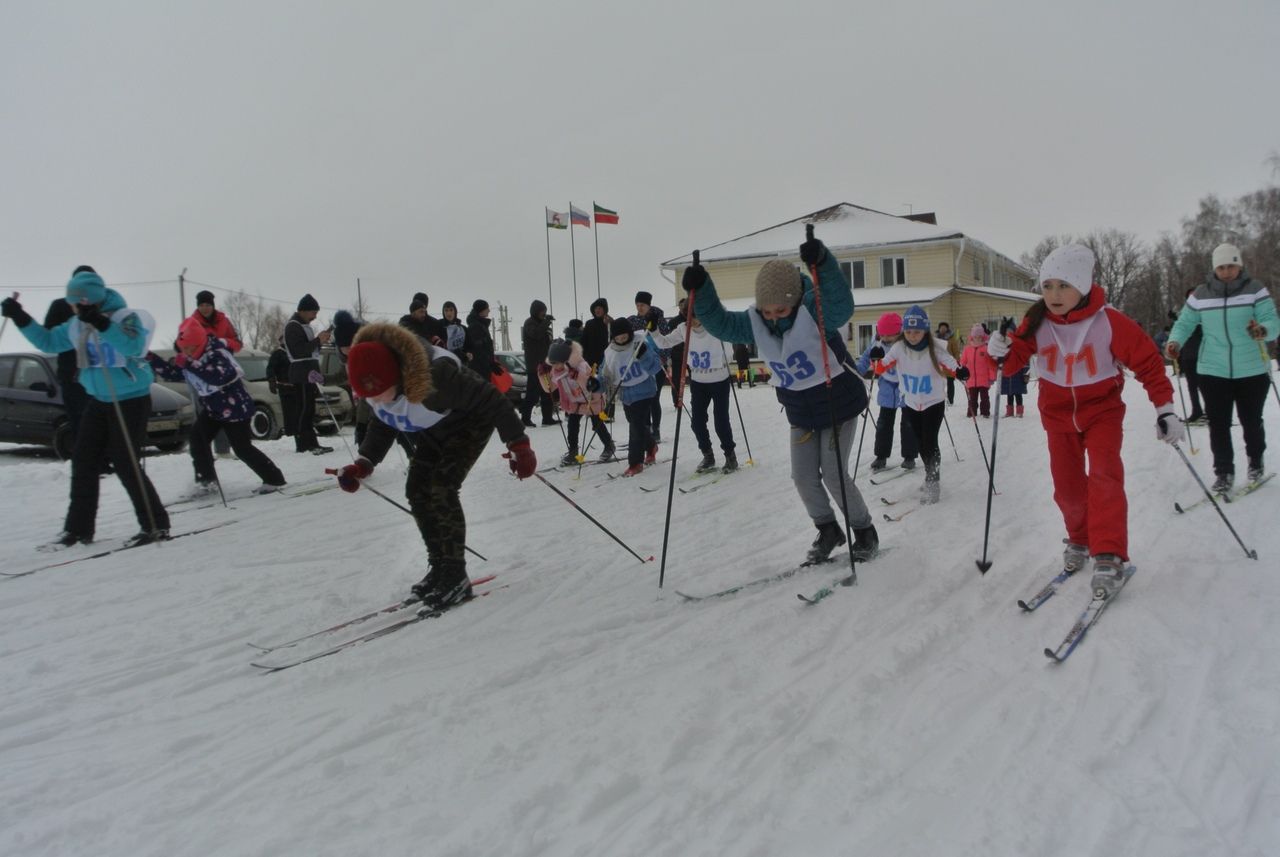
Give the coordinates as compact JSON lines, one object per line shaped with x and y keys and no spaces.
{"x":866,"y":333}
{"x":893,"y":271}
{"x":855,"y":272}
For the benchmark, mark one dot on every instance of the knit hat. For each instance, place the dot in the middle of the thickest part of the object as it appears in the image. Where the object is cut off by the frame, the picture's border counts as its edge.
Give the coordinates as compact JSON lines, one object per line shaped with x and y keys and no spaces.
{"x":205,"y":297}
{"x":416,"y":305}
{"x":479,"y":305}
{"x":308,"y":304}
{"x":192,"y":334}
{"x":372,"y":368}
{"x":644,"y":298}
{"x":86,"y":286}
{"x":344,"y":328}
{"x":1071,"y":263}
{"x":1226,"y":254}
{"x":559,"y":352}
{"x":778,"y":282}
{"x":619,"y":327}
{"x":915,"y":319}
{"x":889,"y":324}
{"x":978,"y":334}
{"x":599,"y":302}
{"x":574,"y":329}
{"x":421,"y":297}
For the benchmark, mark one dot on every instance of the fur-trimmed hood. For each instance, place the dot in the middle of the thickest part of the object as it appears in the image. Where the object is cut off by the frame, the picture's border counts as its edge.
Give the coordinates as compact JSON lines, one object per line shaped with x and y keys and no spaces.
{"x":410,"y":351}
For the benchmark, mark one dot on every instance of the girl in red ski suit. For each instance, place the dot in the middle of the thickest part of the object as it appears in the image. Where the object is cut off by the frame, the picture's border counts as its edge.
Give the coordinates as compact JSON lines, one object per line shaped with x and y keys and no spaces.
{"x":1079,"y":355}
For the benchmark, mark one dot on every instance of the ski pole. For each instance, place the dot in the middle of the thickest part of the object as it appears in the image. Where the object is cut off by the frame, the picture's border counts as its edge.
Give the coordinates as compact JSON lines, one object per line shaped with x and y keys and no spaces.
{"x":733,"y":390}
{"x":866,"y":414}
{"x":986,"y":462}
{"x":951,"y":436}
{"x":337,"y":427}
{"x":675,"y":447}
{"x":1266,"y":359}
{"x":835,"y":427}
{"x":984,"y":564}
{"x":334,"y":472}
{"x":1182,"y":397}
{"x":1252,"y":554}
{"x":583,"y":512}
{"x":129,"y":443}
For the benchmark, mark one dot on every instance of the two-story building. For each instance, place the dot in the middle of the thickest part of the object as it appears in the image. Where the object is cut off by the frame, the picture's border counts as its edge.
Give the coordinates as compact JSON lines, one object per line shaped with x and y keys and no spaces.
{"x":891,"y":261}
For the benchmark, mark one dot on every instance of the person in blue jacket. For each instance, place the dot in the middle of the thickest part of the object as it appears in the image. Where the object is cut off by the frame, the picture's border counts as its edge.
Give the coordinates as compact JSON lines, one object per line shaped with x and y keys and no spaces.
{"x":783,"y":326}
{"x":109,"y":340}
{"x":631,"y":367}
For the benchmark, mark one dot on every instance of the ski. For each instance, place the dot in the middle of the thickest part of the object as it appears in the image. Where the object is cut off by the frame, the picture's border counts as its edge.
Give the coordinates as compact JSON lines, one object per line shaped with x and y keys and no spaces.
{"x":897,"y":473}
{"x":889,"y":502}
{"x":208,"y":500}
{"x":708,"y":482}
{"x":110,"y":551}
{"x":844,"y":580}
{"x":347,"y":623}
{"x":900,"y":516}
{"x":1045,"y":593}
{"x":1086,"y":621}
{"x":761,"y":581}
{"x":382,"y":631}
{"x":1229,"y":497}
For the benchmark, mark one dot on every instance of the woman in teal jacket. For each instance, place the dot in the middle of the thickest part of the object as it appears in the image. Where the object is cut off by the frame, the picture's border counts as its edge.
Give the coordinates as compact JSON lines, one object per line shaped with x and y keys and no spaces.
{"x":109,"y":340}
{"x":1236,"y":314}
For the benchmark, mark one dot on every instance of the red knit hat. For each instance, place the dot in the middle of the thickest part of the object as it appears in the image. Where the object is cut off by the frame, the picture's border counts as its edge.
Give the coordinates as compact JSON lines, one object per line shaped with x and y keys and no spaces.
{"x":192,"y":334}
{"x":372,"y":368}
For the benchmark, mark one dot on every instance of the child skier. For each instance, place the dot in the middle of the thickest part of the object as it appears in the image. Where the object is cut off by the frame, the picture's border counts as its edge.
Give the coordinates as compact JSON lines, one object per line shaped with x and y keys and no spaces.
{"x":709,"y":389}
{"x":416,"y":387}
{"x":982,"y":372}
{"x":1079,"y":344}
{"x":889,"y":398}
{"x":1013,"y":386}
{"x":633,"y":369}
{"x":567,"y":375}
{"x":204,"y":361}
{"x":110,"y":340}
{"x":920,"y":364}
{"x":783,"y":326}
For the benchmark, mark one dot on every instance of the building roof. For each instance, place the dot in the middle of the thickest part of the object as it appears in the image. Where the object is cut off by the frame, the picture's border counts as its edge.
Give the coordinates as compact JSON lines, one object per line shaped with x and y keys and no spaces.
{"x":842,"y":227}
{"x":905,"y":296}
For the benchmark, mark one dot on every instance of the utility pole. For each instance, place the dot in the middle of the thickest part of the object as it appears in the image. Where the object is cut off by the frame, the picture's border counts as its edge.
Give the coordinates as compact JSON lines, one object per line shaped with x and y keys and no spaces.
{"x":182,"y":294}
{"x":504,"y":323}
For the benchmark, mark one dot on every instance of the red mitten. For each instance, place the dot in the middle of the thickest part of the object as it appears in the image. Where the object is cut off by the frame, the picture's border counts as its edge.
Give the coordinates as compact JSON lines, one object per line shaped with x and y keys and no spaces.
{"x":349,"y":477}
{"x":180,"y":360}
{"x":523,"y":461}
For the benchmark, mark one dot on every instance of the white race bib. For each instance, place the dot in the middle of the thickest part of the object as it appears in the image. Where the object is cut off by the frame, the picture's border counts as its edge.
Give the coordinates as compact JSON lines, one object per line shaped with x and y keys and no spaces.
{"x":1073,"y":355}
{"x":795,"y":360}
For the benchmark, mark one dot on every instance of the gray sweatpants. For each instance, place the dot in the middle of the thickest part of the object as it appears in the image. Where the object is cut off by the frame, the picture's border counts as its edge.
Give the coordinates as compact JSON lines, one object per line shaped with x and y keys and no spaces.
{"x":816,"y":473}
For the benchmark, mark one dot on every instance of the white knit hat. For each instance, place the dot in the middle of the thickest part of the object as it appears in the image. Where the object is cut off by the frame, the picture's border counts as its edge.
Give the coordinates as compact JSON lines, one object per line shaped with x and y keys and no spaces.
{"x":1226,"y":254}
{"x":778,"y":282}
{"x":1071,"y":263}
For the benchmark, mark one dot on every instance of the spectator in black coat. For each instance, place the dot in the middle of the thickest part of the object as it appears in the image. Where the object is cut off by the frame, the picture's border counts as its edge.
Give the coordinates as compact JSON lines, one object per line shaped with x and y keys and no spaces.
{"x":421,"y":322}
{"x":595,"y":333}
{"x":302,"y":345}
{"x":479,"y":340}
{"x":535,"y":339}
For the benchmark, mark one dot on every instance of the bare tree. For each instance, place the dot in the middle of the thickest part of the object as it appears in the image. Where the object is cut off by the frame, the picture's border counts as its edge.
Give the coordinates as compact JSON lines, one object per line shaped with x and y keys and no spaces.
{"x":270,"y":327}
{"x":1121,"y":258}
{"x":243,"y":312}
{"x":1032,"y":261}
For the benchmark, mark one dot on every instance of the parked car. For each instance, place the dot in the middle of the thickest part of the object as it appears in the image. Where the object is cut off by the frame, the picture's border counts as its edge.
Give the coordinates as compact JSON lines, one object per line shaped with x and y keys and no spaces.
{"x":513,"y":362}
{"x":32,"y":411}
{"x":267,"y":422}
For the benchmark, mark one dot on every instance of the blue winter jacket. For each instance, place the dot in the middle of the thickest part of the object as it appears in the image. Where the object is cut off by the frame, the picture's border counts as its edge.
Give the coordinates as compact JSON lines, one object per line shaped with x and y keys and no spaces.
{"x":215,"y":377}
{"x":647,"y":361}
{"x":127,"y":336}
{"x":806,"y":409}
{"x":887,"y":393}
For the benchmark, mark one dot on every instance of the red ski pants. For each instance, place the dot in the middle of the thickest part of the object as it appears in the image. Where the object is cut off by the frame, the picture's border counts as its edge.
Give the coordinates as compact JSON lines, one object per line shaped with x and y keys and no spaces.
{"x":1092,"y":500}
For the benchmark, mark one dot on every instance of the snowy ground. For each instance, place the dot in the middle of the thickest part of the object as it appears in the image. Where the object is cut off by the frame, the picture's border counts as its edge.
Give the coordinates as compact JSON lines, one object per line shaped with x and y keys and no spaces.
{"x":583,"y":711}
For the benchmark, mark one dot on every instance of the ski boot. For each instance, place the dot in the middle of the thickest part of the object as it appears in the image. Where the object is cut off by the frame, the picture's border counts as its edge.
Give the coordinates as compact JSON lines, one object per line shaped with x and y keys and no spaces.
{"x":146,"y":537}
{"x":65,"y":539}
{"x":445,"y":585}
{"x":569,"y":459}
{"x":932,"y":487}
{"x":609,"y":454}
{"x":878,"y":464}
{"x":866,"y":543}
{"x":633,"y":470}
{"x":708,"y":463}
{"x":267,"y":488}
{"x":1075,"y":557}
{"x":321,"y":450}
{"x":730,"y":462}
{"x":908,"y":464}
{"x":1108,"y":575}
{"x":1222,"y":485}
{"x":1255,"y":469}
{"x":651,"y":457}
{"x":830,"y":537}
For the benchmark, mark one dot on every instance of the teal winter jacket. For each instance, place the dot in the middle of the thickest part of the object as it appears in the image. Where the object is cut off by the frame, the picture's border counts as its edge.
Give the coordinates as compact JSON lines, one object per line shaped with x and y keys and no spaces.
{"x":121,"y":347}
{"x":1223,"y":311}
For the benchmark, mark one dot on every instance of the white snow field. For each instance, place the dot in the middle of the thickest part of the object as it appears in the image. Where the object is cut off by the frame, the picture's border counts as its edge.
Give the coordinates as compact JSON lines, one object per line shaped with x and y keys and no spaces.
{"x":581,"y":710}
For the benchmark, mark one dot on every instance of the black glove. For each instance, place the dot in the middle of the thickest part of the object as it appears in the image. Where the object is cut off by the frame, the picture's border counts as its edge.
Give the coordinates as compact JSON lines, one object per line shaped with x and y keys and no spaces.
{"x":90,"y":314}
{"x":876,"y":353}
{"x":593,"y":384}
{"x":962,"y":374}
{"x":812,"y":252}
{"x":695,"y":277}
{"x":10,"y":308}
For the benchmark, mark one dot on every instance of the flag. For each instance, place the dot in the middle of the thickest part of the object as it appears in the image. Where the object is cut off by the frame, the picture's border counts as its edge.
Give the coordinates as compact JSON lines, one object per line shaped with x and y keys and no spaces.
{"x":578,"y":217}
{"x":604,"y":215}
{"x":557,"y":220}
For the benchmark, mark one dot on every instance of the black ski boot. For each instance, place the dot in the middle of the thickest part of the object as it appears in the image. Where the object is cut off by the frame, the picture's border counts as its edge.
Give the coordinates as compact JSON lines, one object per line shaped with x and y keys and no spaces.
{"x":866,"y":543}
{"x":609,"y":453}
{"x":878,"y":464}
{"x":730,"y":462}
{"x":146,"y":537}
{"x":444,"y":586}
{"x":708,"y":463}
{"x":569,"y":459}
{"x":830,"y":537}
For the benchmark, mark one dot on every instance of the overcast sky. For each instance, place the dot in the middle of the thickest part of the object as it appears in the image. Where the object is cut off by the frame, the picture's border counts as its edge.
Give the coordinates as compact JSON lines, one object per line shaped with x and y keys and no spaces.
{"x":287,"y":147}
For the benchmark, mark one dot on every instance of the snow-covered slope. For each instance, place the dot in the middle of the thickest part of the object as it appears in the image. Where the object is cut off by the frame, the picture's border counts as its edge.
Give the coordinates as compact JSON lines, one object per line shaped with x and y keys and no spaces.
{"x":580,"y":710}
